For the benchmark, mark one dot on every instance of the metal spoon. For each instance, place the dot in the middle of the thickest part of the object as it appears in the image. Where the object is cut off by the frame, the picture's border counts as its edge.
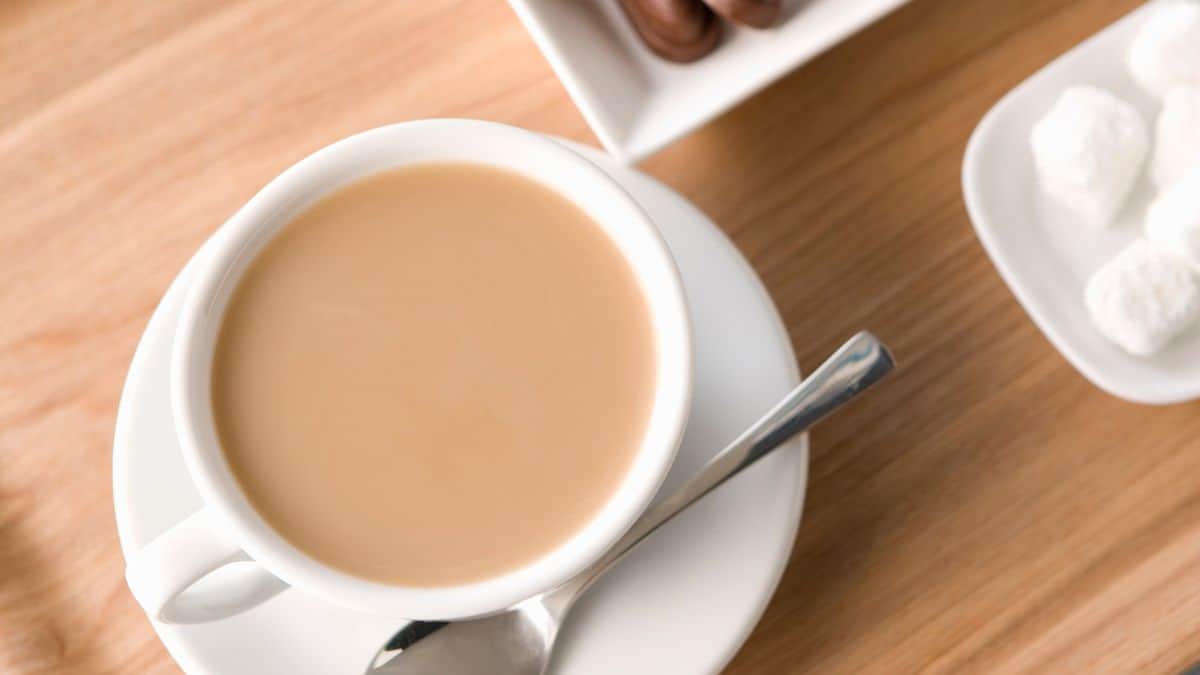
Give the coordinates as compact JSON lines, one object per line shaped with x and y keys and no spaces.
{"x":519,"y":641}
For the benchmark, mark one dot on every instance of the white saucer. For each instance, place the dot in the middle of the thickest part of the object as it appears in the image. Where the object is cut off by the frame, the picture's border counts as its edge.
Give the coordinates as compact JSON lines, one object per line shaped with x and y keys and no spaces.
{"x":683,"y":602}
{"x":1041,"y":251}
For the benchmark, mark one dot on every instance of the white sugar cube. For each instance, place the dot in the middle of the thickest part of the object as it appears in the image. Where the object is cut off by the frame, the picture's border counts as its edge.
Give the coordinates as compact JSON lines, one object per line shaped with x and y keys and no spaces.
{"x":1089,"y":150}
{"x":1143,"y":298}
{"x":1173,"y":219}
{"x":1177,"y":141}
{"x":1166,"y":50}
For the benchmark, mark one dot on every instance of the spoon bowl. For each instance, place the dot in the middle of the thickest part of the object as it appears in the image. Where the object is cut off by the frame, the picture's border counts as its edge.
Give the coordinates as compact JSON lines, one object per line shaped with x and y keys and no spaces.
{"x":518,"y":641}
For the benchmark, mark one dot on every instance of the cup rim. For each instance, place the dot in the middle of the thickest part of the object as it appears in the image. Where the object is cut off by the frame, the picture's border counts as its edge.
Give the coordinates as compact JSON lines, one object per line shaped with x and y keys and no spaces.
{"x":343,"y":162}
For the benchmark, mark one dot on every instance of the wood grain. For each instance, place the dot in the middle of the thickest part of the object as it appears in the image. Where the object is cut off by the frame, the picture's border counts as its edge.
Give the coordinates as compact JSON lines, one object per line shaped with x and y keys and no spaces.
{"x":987,"y":511}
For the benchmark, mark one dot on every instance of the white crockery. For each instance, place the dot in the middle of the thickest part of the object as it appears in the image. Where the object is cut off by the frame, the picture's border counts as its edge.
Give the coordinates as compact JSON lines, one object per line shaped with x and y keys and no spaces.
{"x":637,"y":102}
{"x":228,"y":530}
{"x":1042,"y":251}
{"x":680,"y":604}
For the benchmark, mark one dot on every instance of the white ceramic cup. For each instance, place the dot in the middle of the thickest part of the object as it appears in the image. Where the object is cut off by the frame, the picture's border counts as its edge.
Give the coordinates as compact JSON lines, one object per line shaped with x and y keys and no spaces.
{"x":226,"y":558}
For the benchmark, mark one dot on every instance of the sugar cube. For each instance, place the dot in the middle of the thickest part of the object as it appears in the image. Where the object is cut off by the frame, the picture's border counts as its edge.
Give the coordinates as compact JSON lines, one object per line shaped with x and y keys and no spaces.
{"x":1089,"y":150}
{"x":1173,"y":219}
{"x":1177,"y":138}
{"x":1143,"y":298}
{"x":1166,"y":50}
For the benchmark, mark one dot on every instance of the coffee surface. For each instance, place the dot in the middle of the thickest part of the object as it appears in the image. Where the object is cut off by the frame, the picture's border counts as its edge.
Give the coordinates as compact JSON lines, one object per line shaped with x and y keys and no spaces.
{"x":434,"y":375}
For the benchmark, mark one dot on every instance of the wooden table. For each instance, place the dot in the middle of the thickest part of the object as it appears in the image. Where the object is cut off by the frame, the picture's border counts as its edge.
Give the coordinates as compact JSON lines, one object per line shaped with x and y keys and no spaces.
{"x":988,"y":510}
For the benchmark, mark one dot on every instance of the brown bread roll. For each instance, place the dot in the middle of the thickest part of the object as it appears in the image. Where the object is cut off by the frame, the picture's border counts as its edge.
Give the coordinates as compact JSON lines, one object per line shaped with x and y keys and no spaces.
{"x":754,"y":13}
{"x":677,"y":30}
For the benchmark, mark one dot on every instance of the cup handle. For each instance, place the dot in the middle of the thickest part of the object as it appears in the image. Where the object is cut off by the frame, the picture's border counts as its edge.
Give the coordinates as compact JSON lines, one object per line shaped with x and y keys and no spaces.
{"x":162,"y":574}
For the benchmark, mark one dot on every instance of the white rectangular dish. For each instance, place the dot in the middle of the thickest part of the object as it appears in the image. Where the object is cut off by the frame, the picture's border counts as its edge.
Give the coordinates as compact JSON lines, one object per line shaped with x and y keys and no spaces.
{"x":1044,"y":253}
{"x":637,"y":102}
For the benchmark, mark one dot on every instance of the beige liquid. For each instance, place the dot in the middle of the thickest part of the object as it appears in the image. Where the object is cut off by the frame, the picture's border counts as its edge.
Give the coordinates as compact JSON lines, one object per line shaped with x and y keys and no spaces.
{"x":434,"y":375}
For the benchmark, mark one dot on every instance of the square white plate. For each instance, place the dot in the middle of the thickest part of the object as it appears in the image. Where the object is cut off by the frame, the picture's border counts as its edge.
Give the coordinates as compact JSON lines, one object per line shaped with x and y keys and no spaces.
{"x":1043,"y":253}
{"x":637,"y":102}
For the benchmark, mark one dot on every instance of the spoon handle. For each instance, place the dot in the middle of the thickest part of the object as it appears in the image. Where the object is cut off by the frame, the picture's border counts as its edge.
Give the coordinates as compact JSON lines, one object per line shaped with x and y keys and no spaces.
{"x":858,"y":364}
